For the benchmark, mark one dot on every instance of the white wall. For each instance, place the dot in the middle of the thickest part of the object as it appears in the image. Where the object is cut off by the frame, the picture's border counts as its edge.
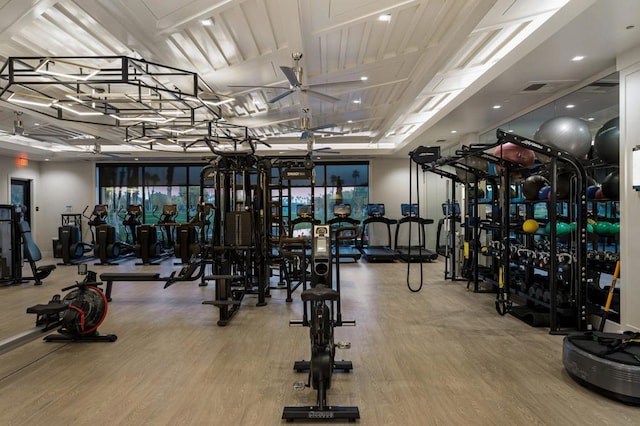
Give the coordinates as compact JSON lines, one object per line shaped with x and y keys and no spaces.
{"x":63,"y":184}
{"x":629,"y":67}
{"x":389,"y":184}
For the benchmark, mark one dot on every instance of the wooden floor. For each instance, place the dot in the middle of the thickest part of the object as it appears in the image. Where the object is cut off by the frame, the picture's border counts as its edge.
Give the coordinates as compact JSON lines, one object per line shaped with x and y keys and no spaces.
{"x":442,"y":356}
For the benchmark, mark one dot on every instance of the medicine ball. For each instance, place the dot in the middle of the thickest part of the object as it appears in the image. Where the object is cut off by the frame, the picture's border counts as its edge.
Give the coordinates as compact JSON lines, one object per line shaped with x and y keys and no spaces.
{"x":602,"y":228}
{"x":568,"y":134}
{"x":606,"y":143}
{"x":615,"y":228}
{"x":563,"y":184}
{"x":532,"y":185}
{"x":473,"y":191}
{"x":530,"y":226}
{"x":515,"y":154}
{"x":611,"y":185}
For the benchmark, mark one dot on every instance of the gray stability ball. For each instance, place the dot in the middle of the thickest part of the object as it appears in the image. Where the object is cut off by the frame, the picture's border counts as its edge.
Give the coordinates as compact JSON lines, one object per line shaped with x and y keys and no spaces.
{"x":568,"y":134}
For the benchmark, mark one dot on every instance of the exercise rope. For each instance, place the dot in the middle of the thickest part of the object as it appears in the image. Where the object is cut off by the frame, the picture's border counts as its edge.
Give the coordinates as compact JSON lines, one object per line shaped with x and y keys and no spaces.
{"x":420,"y":236}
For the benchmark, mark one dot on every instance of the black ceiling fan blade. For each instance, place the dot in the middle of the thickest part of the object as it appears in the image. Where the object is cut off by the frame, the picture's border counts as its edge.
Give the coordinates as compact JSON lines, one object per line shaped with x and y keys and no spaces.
{"x":280,"y":96}
{"x":291,"y":76}
{"x":322,"y":96}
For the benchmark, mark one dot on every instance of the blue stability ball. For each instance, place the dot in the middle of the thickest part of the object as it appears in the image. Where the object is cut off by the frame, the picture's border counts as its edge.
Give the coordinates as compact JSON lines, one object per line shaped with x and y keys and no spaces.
{"x":591,"y":191}
{"x":543,"y":194}
{"x":606,"y":143}
{"x":568,"y":134}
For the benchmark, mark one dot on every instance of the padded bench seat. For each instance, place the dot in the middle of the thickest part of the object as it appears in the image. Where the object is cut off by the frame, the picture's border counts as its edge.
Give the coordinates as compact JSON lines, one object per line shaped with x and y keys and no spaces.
{"x":110,"y":277}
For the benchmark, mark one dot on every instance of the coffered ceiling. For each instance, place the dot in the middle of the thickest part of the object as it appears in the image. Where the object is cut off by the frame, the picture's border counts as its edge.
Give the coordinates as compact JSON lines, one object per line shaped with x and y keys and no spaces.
{"x":375,"y":78}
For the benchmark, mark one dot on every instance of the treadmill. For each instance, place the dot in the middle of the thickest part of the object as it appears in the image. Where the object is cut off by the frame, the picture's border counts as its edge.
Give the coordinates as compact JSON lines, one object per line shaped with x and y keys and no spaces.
{"x":377,"y":253}
{"x":414,"y":252}
{"x":342,"y":217}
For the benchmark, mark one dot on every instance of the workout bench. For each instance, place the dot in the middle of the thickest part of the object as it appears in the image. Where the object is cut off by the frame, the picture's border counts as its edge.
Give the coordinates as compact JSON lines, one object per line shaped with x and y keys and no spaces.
{"x":187,"y":273}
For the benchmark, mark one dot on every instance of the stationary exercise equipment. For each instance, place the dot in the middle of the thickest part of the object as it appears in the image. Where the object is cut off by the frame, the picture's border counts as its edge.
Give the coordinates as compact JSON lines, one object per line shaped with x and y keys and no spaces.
{"x":342,"y":217}
{"x":33,"y":255}
{"x":10,"y":251}
{"x":192,"y":271}
{"x":377,"y":252}
{"x":322,"y":314}
{"x":106,"y":248}
{"x":76,"y":316}
{"x":608,"y":363}
{"x":413,"y":252}
{"x":131,"y":221}
{"x":166,"y":222}
{"x":70,"y":247}
{"x":241,"y":244}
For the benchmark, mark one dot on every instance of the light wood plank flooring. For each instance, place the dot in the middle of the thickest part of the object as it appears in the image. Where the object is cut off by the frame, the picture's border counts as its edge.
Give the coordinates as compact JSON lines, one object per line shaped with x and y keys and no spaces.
{"x":439,"y":357}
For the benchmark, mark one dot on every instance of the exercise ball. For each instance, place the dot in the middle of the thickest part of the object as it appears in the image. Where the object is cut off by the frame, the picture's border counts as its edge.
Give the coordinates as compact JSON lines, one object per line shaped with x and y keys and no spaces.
{"x":606,"y":143}
{"x":615,"y":228}
{"x":544,"y":192}
{"x":515,"y":153}
{"x":599,"y":194}
{"x":563,"y":184}
{"x":611,"y":185}
{"x":547,"y":228}
{"x":602,"y":228}
{"x":568,"y":134}
{"x":530,"y":226}
{"x":562,"y":228}
{"x":573,"y":226}
{"x":591,"y":191}
{"x":532,"y":185}
{"x":475,"y":163}
{"x":589,"y":228}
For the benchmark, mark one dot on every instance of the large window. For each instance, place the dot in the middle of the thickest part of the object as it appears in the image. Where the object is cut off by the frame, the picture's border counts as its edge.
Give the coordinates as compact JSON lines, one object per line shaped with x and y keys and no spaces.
{"x":156,"y":185}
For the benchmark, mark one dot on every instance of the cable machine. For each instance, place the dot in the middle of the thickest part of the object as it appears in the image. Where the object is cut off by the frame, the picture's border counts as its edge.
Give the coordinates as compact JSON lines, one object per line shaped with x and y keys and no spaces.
{"x":240,"y":245}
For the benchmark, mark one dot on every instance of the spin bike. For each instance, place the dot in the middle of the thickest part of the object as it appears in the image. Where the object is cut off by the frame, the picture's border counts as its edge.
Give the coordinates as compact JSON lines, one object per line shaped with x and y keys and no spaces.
{"x":322,"y":303}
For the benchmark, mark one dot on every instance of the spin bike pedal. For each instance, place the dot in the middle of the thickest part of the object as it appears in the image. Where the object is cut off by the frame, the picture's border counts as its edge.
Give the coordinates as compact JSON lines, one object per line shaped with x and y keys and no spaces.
{"x":343,"y":345}
{"x":298,"y":386}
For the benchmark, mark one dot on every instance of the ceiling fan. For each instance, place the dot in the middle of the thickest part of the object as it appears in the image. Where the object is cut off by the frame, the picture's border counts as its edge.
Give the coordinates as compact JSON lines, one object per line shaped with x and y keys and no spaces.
{"x":306,"y":131}
{"x":294,"y":76}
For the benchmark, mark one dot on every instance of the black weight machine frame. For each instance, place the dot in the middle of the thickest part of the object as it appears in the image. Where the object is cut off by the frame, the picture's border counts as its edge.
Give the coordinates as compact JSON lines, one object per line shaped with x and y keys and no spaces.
{"x":241,"y":245}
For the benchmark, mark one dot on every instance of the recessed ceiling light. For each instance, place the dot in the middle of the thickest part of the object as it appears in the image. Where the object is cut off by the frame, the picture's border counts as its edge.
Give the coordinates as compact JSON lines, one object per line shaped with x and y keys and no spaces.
{"x":510,"y":130}
{"x":357,"y":101}
{"x":364,"y":78}
{"x":577,"y":58}
{"x":135,"y":159}
{"x":385,"y":18}
{"x":46,"y":159}
{"x":36,"y":124}
{"x":570,"y":106}
{"x":497,"y":106}
{"x":454,"y":131}
{"x":590,"y":119}
{"x":207,"y":22}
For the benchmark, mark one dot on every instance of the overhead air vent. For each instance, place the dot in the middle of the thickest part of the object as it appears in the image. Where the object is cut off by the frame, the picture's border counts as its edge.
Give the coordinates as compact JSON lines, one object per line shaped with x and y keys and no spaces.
{"x":534,"y":87}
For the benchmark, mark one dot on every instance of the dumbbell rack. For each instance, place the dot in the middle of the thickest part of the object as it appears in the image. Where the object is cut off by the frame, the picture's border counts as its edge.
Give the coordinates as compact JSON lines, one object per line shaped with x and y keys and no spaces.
{"x":501,"y":275}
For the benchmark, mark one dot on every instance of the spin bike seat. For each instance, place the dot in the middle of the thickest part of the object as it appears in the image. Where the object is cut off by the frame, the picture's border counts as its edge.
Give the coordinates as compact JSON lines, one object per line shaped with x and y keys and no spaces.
{"x":320,"y":293}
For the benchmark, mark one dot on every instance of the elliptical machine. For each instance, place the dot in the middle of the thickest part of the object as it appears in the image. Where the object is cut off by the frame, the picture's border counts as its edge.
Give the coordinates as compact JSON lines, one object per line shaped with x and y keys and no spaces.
{"x":105,"y":247}
{"x":322,"y":314}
